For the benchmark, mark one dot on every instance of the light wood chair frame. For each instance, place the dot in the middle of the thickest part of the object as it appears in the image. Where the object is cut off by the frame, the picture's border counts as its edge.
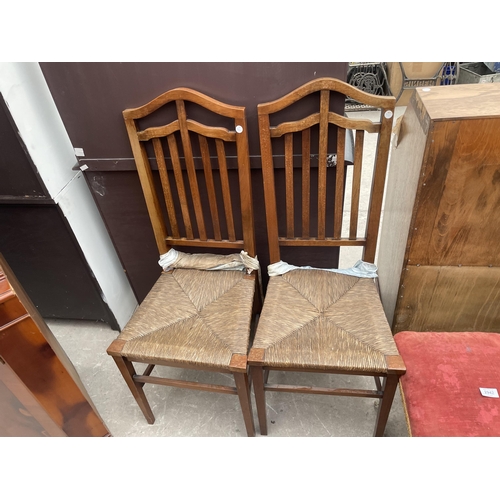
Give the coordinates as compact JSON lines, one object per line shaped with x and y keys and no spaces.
{"x":238,"y":366}
{"x":385,"y":389}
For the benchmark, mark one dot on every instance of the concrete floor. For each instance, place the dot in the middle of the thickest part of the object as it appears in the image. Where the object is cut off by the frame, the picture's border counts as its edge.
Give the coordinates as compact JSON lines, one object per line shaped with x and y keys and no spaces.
{"x":182,"y":412}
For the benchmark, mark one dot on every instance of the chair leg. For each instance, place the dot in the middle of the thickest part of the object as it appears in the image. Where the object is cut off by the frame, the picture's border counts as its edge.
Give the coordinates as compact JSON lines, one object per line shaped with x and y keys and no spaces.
{"x":243,"y":389}
{"x":127,"y":370}
{"x":390,"y":385}
{"x":260,"y":397}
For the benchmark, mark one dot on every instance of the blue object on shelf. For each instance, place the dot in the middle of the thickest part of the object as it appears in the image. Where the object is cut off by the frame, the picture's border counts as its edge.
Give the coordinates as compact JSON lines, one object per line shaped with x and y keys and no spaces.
{"x":494,"y":66}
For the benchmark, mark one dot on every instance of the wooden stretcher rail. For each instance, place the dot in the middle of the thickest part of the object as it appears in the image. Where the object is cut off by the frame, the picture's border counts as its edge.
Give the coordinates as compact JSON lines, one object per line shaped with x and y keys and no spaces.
{"x":327,"y":242}
{"x":360,"y":393}
{"x":204,"y":243}
{"x":185,"y":384}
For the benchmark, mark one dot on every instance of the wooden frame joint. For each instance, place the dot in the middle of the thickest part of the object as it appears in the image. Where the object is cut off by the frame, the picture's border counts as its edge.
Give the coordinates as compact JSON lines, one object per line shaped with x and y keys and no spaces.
{"x":115,"y":349}
{"x":238,"y":363}
{"x":395,"y":365}
{"x":256,"y":356}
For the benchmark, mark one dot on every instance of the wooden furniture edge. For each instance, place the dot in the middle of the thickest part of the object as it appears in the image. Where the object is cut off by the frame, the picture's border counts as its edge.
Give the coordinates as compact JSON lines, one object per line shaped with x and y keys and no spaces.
{"x":256,"y":356}
{"x":238,"y":363}
{"x":183,"y":93}
{"x":325,"y":83}
{"x":115,"y":349}
{"x":395,"y":364}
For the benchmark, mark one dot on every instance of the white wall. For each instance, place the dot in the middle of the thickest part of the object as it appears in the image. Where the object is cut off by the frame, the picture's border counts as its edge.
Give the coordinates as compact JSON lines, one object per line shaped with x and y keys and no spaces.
{"x":32,"y":107}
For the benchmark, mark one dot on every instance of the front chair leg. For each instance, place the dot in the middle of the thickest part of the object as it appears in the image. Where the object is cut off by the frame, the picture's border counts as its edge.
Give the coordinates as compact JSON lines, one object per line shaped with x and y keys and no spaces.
{"x":390,"y":386}
{"x":243,"y":389}
{"x":260,"y":396}
{"x":127,"y":370}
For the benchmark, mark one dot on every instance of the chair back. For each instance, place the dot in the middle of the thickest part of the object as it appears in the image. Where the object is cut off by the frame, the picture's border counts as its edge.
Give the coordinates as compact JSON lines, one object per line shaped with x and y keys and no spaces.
{"x":195,"y":208}
{"x":327,"y":182}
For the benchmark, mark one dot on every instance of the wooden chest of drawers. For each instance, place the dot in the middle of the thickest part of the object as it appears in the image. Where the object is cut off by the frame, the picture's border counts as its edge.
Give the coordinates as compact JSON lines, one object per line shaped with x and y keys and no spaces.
{"x":439,"y":253}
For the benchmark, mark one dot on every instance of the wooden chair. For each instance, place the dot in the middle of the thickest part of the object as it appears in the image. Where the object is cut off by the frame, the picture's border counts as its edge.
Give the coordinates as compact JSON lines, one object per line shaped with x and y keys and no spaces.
{"x":316,"y":320}
{"x":192,"y":318}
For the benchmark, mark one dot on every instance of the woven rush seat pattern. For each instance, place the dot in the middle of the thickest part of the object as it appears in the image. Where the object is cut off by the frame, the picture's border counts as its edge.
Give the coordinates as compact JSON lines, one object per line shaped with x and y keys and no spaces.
{"x":319,"y":319}
{"x":192,"y":316}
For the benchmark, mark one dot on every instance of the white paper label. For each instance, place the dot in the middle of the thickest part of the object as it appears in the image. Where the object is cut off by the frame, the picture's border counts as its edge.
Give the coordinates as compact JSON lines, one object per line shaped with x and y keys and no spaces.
{"x":79,"y":152}
{"x":489,"y":392}
{"x":83,"y":167}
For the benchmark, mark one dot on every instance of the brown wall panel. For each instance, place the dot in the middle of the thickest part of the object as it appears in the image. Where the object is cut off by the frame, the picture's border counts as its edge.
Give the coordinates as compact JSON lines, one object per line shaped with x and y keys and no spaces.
{"x":91,"y":97}
{"x":18,"y":177}
{"x":47,"y":260}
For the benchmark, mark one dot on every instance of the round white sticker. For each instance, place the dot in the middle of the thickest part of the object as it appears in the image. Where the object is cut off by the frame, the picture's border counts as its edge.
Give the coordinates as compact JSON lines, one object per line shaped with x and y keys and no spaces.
{"x":239,"y":129}
{"x":388,"y":114}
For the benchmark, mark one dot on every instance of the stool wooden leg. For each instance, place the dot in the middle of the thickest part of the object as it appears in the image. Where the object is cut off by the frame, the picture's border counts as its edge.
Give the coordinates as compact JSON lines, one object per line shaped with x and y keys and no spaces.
{"x":242,"y":386}
{"x":127,"y":370}
{"x":390,"y":385}
{"x":260,"y":397}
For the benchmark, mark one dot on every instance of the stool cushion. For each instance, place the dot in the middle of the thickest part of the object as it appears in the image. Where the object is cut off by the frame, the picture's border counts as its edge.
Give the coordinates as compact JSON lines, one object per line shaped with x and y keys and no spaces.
{"x":441,"y":386}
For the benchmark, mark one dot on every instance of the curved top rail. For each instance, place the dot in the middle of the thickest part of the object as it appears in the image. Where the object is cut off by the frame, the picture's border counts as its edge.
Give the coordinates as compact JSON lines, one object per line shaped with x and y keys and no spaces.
{"x":185,"y":94}
{"x":334,"y":118}
{"x":331,"y":84}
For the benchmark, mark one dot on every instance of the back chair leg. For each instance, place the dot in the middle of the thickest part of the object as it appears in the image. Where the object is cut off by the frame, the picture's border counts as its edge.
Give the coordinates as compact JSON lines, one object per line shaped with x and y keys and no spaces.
{"x":390,"y":385}
{"x":243,"y":389}
{"x":127,"y":370}
{"x":260,"y":397}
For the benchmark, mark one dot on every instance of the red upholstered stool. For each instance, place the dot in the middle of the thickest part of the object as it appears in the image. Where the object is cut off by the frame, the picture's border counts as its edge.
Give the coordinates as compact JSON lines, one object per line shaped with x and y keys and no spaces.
{"x":440,"y":389}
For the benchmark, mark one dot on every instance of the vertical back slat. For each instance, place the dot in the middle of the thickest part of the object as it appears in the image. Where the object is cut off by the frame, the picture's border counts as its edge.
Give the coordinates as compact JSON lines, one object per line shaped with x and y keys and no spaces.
{"x":245,"y":182}
{"x":226,"y":192}
{"x":323,"y":147}
{"x":356,"y":183}
{"x":179,"y":181}
{"x":269,"y":187}
{"x":193,"y":182}
{"x":380,"y":170}
{"x":289,"y":185}
{"x":209,"y":179}
{"x":165,"y":183}
{"x":339,"y":184}
{"x":146,"y":180}
{"x":306,"y":181}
